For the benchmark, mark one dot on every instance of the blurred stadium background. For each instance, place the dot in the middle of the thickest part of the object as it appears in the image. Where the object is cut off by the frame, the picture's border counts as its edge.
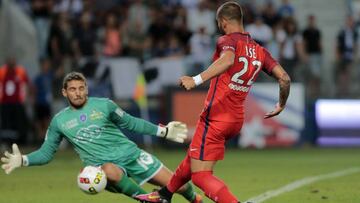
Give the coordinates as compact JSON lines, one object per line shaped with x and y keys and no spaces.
{"x":134,"y":51}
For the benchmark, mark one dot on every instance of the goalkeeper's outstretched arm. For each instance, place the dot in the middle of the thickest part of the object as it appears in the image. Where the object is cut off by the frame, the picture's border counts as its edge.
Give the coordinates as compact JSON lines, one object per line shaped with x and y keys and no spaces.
{"x":42,"y":156}
{"x":175,"y":131}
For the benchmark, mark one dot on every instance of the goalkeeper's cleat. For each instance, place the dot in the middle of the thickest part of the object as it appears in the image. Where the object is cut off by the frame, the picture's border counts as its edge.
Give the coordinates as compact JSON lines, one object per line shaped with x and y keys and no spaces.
{"x":151,"y":197}
{"x":198,"y":199}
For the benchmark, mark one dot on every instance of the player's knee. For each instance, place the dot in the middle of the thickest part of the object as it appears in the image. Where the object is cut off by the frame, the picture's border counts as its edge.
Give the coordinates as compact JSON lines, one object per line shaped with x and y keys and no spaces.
{"x":113,"y":173}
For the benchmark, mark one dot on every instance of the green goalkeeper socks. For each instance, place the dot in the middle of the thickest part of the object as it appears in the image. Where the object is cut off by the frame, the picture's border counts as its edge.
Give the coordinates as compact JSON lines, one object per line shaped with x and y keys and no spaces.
{"x":189,"y":193}
{"x":127,"y":187}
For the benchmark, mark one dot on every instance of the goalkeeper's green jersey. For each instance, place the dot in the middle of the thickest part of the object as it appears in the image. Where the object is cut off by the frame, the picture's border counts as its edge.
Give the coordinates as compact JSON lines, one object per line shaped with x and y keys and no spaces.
{"x":95,"y":132}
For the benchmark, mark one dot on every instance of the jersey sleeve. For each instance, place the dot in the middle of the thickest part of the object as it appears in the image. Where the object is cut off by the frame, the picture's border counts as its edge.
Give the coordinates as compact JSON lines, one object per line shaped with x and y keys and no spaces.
{"x":47,"y":150}
{"x":269,"y":62}
{"x":125,"y":121}
{"x":225,"y":43}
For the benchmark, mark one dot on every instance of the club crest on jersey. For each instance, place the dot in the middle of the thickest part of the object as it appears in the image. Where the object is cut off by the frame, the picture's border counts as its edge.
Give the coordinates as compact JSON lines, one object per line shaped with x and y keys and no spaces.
{"x":83,"y":117}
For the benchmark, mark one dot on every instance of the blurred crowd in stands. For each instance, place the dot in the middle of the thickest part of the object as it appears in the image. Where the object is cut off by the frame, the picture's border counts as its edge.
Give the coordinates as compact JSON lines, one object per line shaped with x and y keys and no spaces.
{"x":75,"y":34}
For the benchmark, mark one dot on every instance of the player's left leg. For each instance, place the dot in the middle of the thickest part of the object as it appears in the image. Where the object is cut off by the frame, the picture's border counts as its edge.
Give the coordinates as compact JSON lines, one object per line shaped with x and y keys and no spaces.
{"x":119,"y":182}
{"x":164,"y":176}
{"x":207,"y":151}
{"x":214,"y":188}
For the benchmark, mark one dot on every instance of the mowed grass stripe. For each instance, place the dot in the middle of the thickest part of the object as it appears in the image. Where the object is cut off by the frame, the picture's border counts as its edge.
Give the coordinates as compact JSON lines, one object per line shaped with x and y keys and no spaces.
{"x":300,"y":183}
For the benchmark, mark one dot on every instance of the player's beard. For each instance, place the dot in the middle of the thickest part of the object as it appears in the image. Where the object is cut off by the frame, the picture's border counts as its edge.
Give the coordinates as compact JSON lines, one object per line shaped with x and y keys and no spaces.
{"x":78,"y":106}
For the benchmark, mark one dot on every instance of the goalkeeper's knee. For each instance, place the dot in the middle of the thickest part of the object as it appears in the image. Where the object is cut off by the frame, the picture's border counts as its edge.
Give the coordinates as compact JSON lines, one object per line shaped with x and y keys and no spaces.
{"x":113,"y":172}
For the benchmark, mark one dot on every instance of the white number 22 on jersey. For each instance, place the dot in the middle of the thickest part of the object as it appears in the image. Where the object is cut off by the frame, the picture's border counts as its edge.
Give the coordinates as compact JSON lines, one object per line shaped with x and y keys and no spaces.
{"x":237,"y":75}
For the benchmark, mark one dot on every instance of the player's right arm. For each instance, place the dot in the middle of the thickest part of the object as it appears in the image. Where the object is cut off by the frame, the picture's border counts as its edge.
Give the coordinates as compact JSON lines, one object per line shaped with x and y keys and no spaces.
{"x":284,"y":89}
{"x":39,"y":157}
{"x":225,"y":61}
{"x":225,"y":51}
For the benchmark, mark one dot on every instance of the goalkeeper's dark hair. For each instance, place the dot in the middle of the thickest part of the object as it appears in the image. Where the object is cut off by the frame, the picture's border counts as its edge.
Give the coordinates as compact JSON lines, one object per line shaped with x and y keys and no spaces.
{"x":230,"y":11}
{"x":73,"y":76}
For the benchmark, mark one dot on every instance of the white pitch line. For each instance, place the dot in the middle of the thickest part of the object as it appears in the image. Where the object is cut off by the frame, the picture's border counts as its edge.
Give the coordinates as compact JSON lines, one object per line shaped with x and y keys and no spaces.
{"x":299,"y":183}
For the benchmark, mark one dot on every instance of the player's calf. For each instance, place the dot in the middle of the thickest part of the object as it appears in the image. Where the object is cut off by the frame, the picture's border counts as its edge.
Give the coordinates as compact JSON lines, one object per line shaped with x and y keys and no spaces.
{"x":213,"y":187}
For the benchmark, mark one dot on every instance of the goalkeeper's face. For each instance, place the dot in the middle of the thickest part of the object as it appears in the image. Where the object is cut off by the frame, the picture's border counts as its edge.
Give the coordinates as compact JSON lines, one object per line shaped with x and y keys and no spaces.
{"x":76,"y":93}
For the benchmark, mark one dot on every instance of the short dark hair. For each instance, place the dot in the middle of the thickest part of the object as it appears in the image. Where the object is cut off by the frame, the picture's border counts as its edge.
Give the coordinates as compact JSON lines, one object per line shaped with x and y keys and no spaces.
{"x":230,"y":11}
{"x":73,"y":76}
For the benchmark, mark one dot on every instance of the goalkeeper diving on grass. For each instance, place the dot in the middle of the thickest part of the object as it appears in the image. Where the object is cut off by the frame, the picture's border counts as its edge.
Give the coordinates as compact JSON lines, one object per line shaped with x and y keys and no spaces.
{"x":92,"y":126}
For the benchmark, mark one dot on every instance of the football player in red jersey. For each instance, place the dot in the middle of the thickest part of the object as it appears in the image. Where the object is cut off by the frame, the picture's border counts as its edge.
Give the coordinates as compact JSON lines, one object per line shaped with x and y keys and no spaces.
{"x":237,"y":62}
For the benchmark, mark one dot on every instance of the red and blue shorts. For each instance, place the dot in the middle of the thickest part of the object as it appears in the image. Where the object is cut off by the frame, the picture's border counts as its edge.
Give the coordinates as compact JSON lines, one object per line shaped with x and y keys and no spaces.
{"x":208,"y":143}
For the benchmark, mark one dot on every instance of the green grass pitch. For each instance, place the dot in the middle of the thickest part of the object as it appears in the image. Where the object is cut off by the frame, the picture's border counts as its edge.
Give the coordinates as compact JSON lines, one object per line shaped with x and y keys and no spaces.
{"x":247,"y":172}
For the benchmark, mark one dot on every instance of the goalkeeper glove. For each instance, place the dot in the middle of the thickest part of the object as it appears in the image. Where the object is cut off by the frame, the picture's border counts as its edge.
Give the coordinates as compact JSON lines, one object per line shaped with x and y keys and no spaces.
{"x":12,"y":161}
{"x":175,"y":131}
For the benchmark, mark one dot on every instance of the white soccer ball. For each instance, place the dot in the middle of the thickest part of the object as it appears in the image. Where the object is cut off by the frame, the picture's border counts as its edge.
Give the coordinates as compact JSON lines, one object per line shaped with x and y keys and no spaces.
{"x":92,"y":179}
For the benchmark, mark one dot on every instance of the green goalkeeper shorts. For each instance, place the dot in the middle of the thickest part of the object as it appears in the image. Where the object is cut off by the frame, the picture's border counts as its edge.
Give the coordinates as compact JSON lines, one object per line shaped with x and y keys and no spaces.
{"x":143,"y":168}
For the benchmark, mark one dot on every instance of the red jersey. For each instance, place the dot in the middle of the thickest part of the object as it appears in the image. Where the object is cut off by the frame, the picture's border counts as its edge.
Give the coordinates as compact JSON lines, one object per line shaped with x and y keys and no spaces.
{"x":13,"y":84}
{"x":227,"y":92}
